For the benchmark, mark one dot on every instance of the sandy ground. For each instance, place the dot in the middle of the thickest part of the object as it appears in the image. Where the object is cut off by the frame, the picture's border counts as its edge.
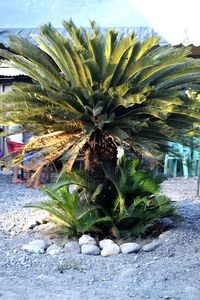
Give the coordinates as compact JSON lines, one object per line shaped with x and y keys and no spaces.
{"x":172,"y":271}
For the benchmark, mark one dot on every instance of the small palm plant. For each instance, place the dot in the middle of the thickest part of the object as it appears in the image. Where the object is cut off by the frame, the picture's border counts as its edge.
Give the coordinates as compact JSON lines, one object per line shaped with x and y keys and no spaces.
{"x":138,"y":203}
{"x":73,"y":212}
{"x":132,"y":208}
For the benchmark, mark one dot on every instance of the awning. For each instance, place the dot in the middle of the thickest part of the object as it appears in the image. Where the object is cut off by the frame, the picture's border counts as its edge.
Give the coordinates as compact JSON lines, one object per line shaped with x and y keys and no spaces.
{"x":8,"y":71}
{"x":176,"y":21}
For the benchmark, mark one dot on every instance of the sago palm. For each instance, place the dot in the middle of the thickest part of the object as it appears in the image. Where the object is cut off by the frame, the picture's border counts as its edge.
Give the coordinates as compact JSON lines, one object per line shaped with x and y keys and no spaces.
{"x":66,"y":210}
{"x":91,"y":92}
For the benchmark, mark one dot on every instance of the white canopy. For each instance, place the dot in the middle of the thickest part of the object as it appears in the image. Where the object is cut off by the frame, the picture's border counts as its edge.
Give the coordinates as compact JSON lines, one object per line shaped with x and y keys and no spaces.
{"x":176,"y":20}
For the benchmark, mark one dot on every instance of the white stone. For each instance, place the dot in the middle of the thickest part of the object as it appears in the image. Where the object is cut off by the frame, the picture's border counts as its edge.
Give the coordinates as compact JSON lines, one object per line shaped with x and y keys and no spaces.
{"x":86,"y":240}
{"x":105,"y":243}
{"x":120,"y":152}
{"x":36,"y":246}
{"x":151,"y":246}
{"x":165,"y":235}
{"x":72,"y":188}
{"x":90,"y":249}
{"x":72,"y":247}
{"x":112,"y":249}
{"x":12,"y":233}
{"x":130,"y":248}
{"x":54,"y":249}
{"x":12,"y":225}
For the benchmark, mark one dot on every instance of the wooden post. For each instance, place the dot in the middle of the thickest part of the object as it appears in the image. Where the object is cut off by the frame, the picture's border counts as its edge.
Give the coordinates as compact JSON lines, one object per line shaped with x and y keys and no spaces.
{"x":198,"y":174}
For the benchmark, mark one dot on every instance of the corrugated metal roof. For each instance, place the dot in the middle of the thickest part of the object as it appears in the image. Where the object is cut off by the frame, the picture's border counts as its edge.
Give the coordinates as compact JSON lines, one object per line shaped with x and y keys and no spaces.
{"x":10,"y":72}
{"x":7,"y":70}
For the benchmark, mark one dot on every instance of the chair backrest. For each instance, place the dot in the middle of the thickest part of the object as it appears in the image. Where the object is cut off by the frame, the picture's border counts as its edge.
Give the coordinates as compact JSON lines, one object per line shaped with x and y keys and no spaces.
{"x":175,"y":150}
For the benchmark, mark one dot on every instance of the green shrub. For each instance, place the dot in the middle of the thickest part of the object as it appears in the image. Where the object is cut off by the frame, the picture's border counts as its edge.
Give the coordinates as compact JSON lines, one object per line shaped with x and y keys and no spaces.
{"x":138,"y":203}
{"x":69,"y":211}
{"x":133,"y":207}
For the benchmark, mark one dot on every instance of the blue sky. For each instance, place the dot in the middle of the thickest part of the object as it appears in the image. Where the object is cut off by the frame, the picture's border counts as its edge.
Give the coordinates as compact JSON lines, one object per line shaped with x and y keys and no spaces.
{"x":32,"y":13}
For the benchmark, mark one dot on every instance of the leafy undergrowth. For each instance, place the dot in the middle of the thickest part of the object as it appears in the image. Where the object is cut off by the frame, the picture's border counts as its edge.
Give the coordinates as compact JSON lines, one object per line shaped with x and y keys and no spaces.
{"x":127,"y":204}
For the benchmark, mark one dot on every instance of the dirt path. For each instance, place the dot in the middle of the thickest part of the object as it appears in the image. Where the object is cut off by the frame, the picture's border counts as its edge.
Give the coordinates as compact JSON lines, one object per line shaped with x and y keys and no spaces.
{"x":172,"y":271}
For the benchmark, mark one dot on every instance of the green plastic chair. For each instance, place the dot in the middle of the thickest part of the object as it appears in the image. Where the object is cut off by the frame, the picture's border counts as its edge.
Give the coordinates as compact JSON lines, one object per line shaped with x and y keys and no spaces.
{"x":193,"y":162}
{"x":183,"y":157}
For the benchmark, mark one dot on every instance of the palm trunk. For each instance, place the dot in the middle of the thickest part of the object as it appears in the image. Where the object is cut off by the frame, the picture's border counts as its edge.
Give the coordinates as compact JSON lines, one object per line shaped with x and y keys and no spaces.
{"x":100,"y":151}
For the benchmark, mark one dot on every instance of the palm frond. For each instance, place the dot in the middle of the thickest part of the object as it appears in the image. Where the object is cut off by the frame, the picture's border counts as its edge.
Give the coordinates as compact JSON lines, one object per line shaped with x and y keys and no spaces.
{"x":85,"y":81}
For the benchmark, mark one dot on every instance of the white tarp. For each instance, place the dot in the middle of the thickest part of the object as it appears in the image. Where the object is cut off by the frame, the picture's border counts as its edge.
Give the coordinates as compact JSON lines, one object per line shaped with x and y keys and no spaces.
{"x":176,"y":20}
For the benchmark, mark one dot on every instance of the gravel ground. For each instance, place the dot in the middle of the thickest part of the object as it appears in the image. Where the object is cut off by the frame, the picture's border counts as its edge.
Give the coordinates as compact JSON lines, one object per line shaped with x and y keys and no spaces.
{"x":172,"y":271}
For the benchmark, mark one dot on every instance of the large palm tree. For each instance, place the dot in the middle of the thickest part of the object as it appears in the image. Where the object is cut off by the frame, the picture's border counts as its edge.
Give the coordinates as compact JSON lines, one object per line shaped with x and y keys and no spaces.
{"x":92,"y":92}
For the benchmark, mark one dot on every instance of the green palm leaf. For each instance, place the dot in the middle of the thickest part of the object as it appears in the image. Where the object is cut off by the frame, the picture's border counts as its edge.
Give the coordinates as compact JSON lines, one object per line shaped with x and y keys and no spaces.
{"x":86,"y":82}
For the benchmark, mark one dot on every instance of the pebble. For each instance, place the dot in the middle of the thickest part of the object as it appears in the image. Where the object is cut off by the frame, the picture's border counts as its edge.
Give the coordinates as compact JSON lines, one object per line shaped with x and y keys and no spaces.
{"x":90,"y":249}
{"x":110,"y":250}
{"x":72,"y":247}
{"x":12,"y":233}
{"x":165,"y":235}
{"x":127,"y":248}
{"x":54,"y":249}
{"x":105,"y":242}
{"x":12,"y":225}
{"x":72,"y":188}
{"x":86,"y":240}
{"x":151,"y":246}
{"x":167,"y":222}
{"x":36,"y":246}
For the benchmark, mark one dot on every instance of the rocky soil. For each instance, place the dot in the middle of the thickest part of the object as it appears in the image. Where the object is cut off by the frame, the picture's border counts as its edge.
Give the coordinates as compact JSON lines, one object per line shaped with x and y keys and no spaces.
{"x":171,"y":271}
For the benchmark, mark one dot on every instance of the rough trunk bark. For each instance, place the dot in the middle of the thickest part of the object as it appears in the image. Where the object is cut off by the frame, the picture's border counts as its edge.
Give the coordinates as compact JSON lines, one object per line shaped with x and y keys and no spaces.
{"x":101,"y":150}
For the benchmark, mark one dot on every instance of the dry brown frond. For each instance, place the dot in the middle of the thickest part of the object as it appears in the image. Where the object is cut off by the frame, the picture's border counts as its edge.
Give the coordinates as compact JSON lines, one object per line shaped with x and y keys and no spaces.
{"x":49,"y":140}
